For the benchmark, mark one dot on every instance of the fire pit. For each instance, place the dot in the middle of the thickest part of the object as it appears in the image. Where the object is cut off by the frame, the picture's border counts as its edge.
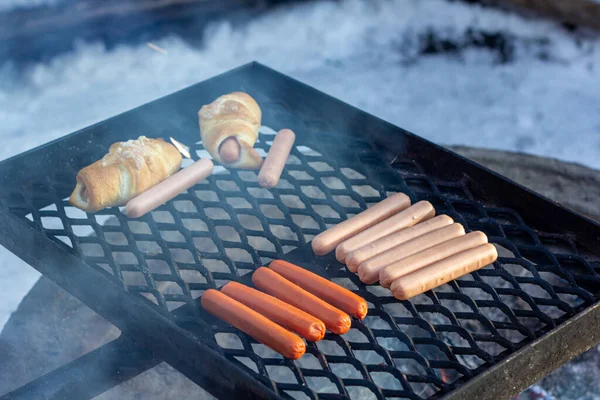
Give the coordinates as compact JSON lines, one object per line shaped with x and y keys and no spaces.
{"x":492,"y":332}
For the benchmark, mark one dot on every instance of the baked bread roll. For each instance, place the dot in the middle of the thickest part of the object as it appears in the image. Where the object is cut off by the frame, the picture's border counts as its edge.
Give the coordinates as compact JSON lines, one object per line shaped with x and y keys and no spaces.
{"x":128,"y":169}
{"x":234,"y":115}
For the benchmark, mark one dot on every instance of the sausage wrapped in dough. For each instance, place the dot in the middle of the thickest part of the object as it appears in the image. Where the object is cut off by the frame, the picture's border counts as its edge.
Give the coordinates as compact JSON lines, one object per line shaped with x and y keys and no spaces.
{"x":127,"y":170}
{"x":235,"y":115}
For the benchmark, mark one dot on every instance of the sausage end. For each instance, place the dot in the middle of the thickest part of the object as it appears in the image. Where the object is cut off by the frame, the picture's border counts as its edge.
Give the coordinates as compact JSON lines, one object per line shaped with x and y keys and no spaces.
{"x":342,"y":325}
{"x":362,"y":310}
{"x":366,"y":274}
{"x":340,"y":253}
{"x":352,"y":262}
{"x":266,"y":181}
{"x":384,"y":278}
{"x":316,"y":332}
{"x":319,"y":248}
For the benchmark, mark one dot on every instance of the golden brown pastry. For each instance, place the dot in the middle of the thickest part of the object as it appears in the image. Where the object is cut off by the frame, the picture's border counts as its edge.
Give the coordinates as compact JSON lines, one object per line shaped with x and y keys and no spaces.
{"x":234,"y":115}
{"x":128,"y":169}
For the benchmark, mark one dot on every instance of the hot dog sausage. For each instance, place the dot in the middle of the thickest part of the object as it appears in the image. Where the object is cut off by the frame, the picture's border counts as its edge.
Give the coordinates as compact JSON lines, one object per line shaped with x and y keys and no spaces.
{"x":323,"y":288}
{"x":429,"y":256}
{"x":356,"y":257}
{"x":443,"y":271}
{"x":414,"y":214}
{"x":276,"y":285}
{"x":169,"y":188}
{"x":257,"y":326}
{"x":327,"y":241}
{"x":368,"y":271}
{"x":277,"y":311}
{"x":229,"y":150}
{"x":271,"y":170}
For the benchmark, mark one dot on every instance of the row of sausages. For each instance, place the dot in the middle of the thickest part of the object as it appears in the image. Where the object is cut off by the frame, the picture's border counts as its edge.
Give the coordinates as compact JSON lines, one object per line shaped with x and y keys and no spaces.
{"x":292,"y":303}
{"x":405,"y":247}
{"x":268,"y":176}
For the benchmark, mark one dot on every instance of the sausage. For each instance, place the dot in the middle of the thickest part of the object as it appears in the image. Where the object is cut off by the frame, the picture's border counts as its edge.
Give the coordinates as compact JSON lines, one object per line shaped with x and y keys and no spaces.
{"x":368,"y":271}
{"x":356,"y":257}
{"x":169,"y":188}
{"x":276,"y":285}
{"x":324,"y":289}
{"x":281,"y":313}
{"x":252,"y":323}
{"x":443,"y":271}
{"x":414,"y":214}
{"x":271,"y":170}
{"x":429,"y":256}
{"x":328,"y":240}
{"x":229,"y":150}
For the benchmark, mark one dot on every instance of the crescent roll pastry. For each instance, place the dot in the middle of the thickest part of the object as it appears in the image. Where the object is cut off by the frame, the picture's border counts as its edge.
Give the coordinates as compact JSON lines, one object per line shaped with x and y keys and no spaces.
{"x":232,"y":115}
{"x":128,"y":169}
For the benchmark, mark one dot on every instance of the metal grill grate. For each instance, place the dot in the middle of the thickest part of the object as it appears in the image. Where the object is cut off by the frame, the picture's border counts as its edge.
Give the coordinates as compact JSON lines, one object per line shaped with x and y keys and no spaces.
{"x":225,"y":227}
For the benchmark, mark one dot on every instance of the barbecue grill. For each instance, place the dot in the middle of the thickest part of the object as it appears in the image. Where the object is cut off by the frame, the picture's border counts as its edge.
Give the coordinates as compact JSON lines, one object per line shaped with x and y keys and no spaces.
{"x":488,"y":334}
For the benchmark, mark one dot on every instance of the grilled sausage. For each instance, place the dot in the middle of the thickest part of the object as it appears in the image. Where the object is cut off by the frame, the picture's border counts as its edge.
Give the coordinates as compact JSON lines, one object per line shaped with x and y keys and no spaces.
{"x":429,"y":256}
{"x":169,"y":188}
{"x":257,"y":326}
{"x":276,"y":285}
{"x":368,"y":271}
{"x":271,"y":170}
{"x":414,"y":214}
{"x":288,"y":316}
{"x":356,"y":257}
{"x":443,"y":271}
{"x":323,"y":288}
{"x":327,"y":241}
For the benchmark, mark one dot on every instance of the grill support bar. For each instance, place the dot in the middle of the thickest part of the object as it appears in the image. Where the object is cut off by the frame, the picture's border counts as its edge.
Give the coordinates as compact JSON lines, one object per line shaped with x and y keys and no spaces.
{"x":188,"y":353}
{"x":89,"y":375}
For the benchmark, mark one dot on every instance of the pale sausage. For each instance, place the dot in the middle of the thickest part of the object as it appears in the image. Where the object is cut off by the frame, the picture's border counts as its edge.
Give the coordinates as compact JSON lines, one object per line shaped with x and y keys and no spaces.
{"x":169,"y":188}
{"x":257,"y":326}
{"x":368,"y":271}
{"x":327,"y":241}
{"x":414,"y":214}
{"x":443,"y":271}
{"x":272,"y":167}
{"x":429,"y":256}
{"x":356,"y":257}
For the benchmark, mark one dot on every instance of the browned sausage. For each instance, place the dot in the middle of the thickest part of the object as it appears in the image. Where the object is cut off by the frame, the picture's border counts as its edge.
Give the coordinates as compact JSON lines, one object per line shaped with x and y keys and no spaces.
{"x":327,"y":241}
{"x":414,"y":214}
{"x":443,"y":271}
{"x":356,"y":257}
{"x":323,"y":288}
{"x":276,"y":285}
{"x":284,"y":314}
{"x":429,"y":256}
{"x":368,"y":271}
{"x":257,"y":326}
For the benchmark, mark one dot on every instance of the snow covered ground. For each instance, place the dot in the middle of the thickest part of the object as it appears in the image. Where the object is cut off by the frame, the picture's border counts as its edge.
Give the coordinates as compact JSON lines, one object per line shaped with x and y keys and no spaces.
{"x":545,"y":101}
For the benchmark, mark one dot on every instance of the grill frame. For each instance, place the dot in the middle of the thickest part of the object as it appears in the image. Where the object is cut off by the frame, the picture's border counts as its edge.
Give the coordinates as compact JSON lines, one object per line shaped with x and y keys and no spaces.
{"x":137,"y":320}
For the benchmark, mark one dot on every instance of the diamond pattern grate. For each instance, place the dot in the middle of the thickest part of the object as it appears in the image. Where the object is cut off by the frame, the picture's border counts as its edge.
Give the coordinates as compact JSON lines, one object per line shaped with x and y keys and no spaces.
{"x":223,"y":228}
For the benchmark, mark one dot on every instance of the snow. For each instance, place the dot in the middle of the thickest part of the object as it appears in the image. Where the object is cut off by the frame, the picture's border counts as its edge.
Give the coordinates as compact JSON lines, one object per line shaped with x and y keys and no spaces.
{"x":365,"y":53}
{"x":6,"y":5}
